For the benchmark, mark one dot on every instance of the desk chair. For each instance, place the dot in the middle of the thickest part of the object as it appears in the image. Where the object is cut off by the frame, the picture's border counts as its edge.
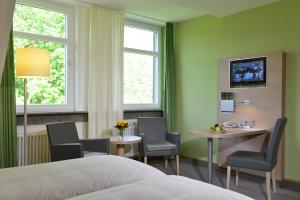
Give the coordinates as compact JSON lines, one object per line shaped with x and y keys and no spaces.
{"x":65,"y":144}
{"x":259,"y":161}
{"x":156,"y":141}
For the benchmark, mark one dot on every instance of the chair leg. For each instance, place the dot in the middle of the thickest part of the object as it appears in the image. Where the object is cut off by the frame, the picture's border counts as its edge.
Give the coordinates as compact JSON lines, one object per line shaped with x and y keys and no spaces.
{"x":274,"y":180}
{"x":177,"y":164}
{"x":228,"y":177}
{"x":237,"y":176}
{"x":145,"y":159}
{"x":268,"y":177}
{"x":166,"y":162}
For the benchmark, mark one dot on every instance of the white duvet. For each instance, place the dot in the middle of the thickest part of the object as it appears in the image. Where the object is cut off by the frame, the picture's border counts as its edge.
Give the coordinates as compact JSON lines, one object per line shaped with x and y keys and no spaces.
{"x":64,"y":179}
{"x":165,"y":188}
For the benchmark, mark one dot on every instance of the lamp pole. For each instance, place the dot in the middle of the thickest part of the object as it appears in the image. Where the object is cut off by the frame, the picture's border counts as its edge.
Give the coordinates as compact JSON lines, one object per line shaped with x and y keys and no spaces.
{"x":25,"y":149}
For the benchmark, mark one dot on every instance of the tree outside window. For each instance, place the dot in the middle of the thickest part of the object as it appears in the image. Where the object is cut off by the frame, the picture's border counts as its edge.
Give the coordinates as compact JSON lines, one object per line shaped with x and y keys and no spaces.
{"x":42,"y":28}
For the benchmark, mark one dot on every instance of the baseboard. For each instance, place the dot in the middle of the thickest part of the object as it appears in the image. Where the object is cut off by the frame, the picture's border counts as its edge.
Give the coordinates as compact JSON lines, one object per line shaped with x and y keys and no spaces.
{"x":290,"y":184}
{"x":292,"y":180}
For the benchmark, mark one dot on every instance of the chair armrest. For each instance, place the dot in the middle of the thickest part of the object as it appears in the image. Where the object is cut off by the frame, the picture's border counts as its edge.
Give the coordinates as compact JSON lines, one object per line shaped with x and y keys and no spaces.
{"x":96,"y":145}
{"x":174,"y":138}
{"x":143,"y":145}
{"x":66,"y":151}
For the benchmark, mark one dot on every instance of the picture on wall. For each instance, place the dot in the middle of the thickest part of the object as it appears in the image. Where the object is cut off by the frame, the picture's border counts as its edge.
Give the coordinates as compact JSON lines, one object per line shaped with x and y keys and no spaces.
{"x":248,"y":72}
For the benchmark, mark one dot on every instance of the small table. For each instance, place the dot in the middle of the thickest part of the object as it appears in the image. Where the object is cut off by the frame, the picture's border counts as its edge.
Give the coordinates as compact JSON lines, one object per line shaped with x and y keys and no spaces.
{"x":120,"y":142}
{"x":232,"y":132}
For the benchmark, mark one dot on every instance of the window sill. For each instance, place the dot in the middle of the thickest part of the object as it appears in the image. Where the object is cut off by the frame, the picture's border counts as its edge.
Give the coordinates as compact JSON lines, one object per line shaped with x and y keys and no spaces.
{"x":51,"y":113}
{"x":134,"y":114}
{"x":40,"y":118}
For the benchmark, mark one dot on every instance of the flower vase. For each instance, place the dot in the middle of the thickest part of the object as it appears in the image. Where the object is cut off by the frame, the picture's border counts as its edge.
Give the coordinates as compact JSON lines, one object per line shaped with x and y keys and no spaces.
{"x":121,"y":133}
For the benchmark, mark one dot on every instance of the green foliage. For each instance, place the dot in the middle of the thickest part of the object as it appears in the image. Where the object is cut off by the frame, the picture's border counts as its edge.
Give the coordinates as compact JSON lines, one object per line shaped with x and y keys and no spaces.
{"x":138,"y":79}
{"x":43,"y":22}
{"x":39,"y":21}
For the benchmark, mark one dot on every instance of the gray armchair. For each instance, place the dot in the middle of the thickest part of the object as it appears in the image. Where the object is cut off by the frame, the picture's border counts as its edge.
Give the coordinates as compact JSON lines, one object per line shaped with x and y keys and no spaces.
{"x":65,"y":144}
{"x":156,"y":141}
{"x":265,"y":162}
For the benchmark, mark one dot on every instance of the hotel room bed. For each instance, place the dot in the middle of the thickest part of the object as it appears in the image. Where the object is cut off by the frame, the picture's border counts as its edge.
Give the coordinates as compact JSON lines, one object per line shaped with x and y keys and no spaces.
{"x":164,"y":187}
{"x":65,"y":179}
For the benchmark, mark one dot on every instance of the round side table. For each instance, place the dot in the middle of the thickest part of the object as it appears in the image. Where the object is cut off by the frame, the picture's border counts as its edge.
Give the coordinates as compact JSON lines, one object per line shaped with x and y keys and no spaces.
{"x":121,"y":142}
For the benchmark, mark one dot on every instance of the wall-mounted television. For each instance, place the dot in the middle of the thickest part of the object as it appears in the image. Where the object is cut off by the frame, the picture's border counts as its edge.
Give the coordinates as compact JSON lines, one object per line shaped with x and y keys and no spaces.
{"x":248,"y":72}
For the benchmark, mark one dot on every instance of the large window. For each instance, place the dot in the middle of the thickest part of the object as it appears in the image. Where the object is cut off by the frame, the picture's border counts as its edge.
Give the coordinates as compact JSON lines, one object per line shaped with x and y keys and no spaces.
{"x":141,"y":67}
{"x":45,"y":26}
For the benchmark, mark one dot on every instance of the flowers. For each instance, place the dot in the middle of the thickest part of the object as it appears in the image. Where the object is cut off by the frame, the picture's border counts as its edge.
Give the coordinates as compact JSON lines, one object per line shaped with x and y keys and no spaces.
{"x":121,"y":125}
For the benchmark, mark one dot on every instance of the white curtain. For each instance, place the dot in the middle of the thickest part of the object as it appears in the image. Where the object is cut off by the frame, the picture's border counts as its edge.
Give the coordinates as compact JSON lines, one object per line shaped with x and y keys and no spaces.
{"x":105,"y":70}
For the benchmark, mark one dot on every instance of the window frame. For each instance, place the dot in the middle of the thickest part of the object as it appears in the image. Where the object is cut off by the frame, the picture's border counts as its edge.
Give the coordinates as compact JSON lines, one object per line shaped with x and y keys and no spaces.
{"x":68,"y":41}
{"x":157,"y":69}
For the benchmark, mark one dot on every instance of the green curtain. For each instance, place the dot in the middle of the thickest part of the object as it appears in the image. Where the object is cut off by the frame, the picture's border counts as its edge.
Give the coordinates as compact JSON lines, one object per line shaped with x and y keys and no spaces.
{"x":168,"y":89}
{"x":8,"y":129}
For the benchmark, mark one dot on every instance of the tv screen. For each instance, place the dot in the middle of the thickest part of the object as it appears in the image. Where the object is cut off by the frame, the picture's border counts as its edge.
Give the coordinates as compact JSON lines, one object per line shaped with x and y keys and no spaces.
{"x":248,"y":72}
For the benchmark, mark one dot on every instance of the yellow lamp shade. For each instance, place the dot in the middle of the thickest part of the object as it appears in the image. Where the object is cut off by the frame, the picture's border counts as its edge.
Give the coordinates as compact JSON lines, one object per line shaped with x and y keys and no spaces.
{"x":32,"y":62}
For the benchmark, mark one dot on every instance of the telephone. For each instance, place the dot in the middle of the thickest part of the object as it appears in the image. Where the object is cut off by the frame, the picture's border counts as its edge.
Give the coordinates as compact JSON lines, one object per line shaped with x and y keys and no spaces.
{"x":241,"y":124}
{"x":230,"y":124}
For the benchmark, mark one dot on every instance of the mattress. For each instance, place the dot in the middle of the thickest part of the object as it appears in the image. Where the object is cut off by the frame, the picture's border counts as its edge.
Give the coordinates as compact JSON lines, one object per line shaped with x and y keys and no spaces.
{"x":166,"y":188}
{"x":64,"y":179}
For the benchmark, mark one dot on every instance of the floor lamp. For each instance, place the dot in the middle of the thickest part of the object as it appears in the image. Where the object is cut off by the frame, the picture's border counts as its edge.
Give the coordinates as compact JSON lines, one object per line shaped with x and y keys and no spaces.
{"x":30,"y":63}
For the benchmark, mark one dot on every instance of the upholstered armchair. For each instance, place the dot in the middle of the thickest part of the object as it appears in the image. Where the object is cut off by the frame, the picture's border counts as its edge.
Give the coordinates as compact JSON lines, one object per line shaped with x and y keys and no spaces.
{"x":65,"y":144}
{"x":156,"y":141}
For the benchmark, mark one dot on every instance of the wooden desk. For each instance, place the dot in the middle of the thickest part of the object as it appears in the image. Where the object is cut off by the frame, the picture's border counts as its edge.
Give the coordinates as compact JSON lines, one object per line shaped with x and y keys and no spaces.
{"x":120,"y":142}
{"x":233,"y":132}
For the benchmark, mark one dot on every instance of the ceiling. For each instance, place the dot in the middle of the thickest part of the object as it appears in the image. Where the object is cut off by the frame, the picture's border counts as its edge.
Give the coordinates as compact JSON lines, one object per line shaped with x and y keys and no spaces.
{"x":180,"y":10}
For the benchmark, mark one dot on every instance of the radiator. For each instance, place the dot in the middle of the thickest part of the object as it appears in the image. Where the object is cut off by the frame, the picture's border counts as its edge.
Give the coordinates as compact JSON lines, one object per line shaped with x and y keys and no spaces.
{"x":38,"y":148}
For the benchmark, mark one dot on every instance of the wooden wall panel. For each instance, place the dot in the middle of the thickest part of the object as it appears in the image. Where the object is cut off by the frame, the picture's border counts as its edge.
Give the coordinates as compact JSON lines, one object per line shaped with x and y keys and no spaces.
{"x":267,"y":104}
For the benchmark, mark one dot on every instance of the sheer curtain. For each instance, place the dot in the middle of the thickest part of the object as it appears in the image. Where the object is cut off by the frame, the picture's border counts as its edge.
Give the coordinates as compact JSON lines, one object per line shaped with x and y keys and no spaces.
{"x":105,"y":70}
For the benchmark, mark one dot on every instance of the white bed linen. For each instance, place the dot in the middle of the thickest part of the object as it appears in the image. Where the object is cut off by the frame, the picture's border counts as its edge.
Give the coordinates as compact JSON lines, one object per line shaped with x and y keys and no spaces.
{"x":165,"y":188}
{"x":64,"y":179}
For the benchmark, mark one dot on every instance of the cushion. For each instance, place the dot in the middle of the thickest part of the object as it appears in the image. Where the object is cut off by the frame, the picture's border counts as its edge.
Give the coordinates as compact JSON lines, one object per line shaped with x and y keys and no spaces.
{"x":160,"y":146}
{"x":249,"y":160}
{"x":89,"y":153}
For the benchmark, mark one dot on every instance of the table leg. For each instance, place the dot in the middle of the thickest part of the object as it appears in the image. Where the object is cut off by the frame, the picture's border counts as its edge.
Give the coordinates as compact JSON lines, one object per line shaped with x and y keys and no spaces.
{"x":121,"y":149}
{"x":209,"y":159}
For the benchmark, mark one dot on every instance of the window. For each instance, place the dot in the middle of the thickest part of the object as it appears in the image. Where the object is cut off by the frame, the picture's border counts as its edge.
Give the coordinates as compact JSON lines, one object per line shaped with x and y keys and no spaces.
{"x":141,"y":67}
{"x":45,"y":26}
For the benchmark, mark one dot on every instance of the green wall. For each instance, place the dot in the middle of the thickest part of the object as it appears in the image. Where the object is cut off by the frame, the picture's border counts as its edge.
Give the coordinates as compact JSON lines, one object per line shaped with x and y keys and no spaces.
{"x":201,"y":42}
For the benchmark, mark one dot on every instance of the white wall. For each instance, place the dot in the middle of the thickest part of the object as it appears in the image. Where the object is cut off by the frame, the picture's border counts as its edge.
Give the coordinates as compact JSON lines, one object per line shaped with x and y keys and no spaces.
{"x":6,"y":15}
